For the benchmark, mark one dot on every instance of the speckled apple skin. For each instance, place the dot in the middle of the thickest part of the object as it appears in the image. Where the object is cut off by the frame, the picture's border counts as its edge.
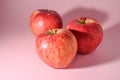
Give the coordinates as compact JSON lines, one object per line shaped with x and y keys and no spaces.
{"x":43,"y":19}
{"x":88,"y":35}
{"x":57,"y":50}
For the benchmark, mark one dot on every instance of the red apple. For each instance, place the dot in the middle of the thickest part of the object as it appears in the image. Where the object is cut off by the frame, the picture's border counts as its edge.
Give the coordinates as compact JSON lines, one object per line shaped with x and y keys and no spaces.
{"x":43,"y":19}
{"x":57,"y":47}
{"x":88,"y":32}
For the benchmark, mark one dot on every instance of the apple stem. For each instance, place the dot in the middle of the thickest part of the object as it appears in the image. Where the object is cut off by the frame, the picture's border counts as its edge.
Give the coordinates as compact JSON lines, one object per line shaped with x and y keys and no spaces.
{"x":45,"y":10}
{"x":82,"y":20}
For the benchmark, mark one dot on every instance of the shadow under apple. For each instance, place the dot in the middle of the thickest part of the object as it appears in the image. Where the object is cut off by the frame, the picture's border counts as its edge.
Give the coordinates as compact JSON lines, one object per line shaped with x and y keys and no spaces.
{"x":101,"y":16}
{"x":3,"y":14}
{"x":3,"y":10}
{"x":107,"y":51}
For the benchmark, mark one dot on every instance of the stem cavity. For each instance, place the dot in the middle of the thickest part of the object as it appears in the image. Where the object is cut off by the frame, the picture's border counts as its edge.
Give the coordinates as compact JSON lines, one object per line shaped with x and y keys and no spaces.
{"x":82,"y":20}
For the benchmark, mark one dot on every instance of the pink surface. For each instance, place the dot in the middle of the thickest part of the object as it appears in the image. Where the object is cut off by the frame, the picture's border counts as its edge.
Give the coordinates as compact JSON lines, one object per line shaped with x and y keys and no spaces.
{"x":18,"y":58}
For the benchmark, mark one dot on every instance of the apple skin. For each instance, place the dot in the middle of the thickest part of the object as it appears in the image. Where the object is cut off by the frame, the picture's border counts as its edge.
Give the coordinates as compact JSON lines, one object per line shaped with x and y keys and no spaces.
{"x":88,"y":32}
{"x":43,"y":19}
{"x":57,"y":47}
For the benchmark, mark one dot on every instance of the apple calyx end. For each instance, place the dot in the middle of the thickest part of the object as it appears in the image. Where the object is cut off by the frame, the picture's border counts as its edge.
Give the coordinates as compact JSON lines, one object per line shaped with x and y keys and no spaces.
{"x":52,"y":31}
{"x":82,"y":20}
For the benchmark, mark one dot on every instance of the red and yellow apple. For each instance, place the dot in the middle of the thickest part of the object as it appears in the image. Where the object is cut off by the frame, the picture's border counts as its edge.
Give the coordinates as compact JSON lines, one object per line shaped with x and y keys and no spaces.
{"x":43,"y":19}
{"x":88,"y":32}
{"x":57,"y":47}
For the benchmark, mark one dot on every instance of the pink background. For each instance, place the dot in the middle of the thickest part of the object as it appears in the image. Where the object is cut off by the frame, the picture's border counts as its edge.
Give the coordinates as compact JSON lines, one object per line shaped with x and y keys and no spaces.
{"x":18,"y":58}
